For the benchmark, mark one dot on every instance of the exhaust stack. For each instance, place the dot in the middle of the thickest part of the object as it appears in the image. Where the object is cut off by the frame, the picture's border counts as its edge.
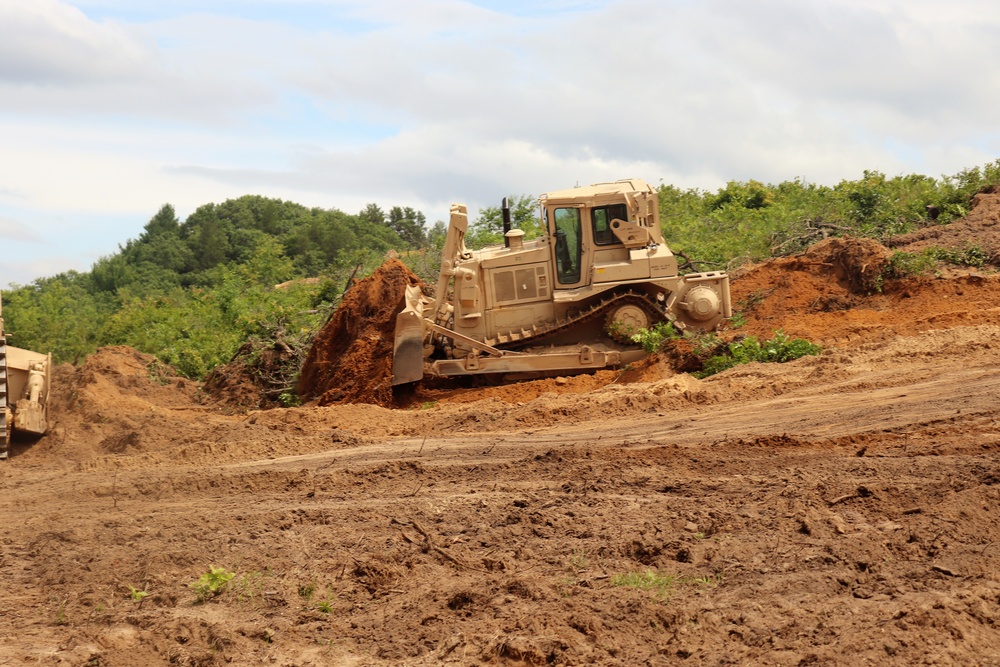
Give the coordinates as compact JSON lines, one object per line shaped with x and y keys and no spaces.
{"x":505,"y":213}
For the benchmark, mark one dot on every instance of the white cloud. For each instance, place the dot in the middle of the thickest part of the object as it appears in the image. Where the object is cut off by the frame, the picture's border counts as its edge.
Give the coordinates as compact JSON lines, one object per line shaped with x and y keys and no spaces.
{"x":120,"y":108}
{"x":47,"y":42}
{"x":13,"y":230}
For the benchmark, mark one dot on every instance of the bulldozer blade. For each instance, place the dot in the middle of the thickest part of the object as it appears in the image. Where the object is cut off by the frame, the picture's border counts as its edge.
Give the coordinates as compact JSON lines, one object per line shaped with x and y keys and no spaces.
{"x":408,"y":345}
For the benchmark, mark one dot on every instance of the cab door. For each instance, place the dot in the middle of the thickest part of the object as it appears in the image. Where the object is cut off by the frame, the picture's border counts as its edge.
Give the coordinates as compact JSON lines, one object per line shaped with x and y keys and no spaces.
{"x":570,"y":247}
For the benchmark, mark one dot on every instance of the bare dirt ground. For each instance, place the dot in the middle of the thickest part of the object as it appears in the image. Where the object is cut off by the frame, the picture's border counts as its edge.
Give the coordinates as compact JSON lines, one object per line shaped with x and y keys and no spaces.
{"x":836,"y":509}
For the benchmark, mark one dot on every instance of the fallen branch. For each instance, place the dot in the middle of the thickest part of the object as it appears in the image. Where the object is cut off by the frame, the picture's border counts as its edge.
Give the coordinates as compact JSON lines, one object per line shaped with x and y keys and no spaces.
{"x":814,"y":229}
{"x":431,"y":546}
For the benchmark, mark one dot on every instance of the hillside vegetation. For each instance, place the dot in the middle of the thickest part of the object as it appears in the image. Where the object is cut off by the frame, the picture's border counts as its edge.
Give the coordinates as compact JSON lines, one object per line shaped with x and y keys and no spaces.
{"x":268,"y":271}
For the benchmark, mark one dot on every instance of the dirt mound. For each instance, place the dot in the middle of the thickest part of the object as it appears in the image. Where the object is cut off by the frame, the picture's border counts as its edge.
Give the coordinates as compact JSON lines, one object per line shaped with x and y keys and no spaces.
{"x":980,"y":228}
{"x":119,"y":401}
{"x":824,"y":295}
{"x":856,"y":263}
{"x":351,"y":359}
{"x":254,"y":379}
{"x":852,"y":264}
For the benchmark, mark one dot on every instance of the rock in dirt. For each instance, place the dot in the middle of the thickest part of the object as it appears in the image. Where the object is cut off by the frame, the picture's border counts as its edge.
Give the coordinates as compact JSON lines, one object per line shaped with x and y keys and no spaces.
{"x":350,"y":360}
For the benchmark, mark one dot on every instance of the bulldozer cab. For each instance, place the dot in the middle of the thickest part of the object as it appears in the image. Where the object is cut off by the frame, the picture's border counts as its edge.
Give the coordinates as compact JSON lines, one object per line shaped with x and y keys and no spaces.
{"x":604,"y":233}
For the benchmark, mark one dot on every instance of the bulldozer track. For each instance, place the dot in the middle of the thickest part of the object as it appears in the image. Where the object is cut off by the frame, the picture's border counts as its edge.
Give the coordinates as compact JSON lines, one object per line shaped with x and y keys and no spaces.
{"x":513,"y":340}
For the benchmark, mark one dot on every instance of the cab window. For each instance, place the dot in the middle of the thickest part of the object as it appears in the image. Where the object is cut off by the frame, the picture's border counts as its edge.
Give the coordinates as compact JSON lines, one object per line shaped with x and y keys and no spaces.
{"x":602,"y":217}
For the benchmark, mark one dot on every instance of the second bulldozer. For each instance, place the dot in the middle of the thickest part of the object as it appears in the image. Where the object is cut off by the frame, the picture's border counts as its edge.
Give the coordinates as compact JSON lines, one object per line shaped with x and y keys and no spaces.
{"x":566,"y":302}
{"x":24,"y":390}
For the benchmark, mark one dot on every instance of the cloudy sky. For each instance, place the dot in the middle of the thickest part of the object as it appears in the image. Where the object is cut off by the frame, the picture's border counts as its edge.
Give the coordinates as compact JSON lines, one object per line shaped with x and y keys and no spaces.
{"x":111,"y":108}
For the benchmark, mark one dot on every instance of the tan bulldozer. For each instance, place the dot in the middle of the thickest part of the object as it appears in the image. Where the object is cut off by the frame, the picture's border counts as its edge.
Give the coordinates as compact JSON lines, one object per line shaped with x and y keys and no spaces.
{"x":24,"y":390}
{"x":567,"y":302}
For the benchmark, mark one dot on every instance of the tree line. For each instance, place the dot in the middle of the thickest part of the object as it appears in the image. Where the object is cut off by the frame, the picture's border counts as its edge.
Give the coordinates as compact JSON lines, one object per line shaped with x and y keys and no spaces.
{"x":192,"y":291}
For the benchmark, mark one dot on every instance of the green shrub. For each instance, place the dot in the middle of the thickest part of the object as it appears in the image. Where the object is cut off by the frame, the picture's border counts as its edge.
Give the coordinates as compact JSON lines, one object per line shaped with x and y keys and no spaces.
{"x":902,"y":264}
{"x":653,"y":339}
{"x":212,"y":583}
{"x":753,"y":221}
{"x":972,"y":255}
{"x":779,"y":349}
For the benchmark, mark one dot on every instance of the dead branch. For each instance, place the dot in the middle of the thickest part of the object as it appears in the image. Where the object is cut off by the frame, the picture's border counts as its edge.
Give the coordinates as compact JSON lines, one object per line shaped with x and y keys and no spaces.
{"x":431,"y":546}
{"x":692,"y":264}
{"x":816,"y":230}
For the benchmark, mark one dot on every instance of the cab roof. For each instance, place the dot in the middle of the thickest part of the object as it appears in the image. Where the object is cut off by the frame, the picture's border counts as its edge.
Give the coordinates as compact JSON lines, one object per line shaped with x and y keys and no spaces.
{"x":599,"y":191}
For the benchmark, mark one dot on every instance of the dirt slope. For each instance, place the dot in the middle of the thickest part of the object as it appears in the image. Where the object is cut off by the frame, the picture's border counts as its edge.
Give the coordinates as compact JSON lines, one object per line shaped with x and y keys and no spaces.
{"x":351,"y":359}
{"x":839,"y":507}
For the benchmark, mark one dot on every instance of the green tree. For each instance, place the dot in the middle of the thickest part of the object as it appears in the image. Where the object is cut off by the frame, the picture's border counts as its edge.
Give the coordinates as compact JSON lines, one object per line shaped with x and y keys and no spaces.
{"x":437,"y":235}
{"x":57,"y":315}
{"x":487,"y":228}
{"x":164,"y":222}
{"x":409,"y":225}
{"x":373,"y":215}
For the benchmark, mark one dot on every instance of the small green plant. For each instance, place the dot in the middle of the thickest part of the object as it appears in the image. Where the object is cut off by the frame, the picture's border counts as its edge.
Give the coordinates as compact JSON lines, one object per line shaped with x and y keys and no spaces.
{"x":620,"y":330}
{"x":703,"y":343}
{"x":250,"y":585}
{"x":707,"y":581}
{"x":779,"y":349}
{"x":306,"y":591}
{"x":158,"y":372}
{"x":212,"y":583}
{"x":652,"y":339}
{"x":60,"y":618}
{"x":136,"y":594}
{"x":325,"y":606}
{"x":566,"y":585}
{"x":754,"y":298}
{"x":662,"y":584}
{"x":289,"y":399}
{"x":659,"y":583}
{"x":579,"y":561}
{"x":739,"y":319}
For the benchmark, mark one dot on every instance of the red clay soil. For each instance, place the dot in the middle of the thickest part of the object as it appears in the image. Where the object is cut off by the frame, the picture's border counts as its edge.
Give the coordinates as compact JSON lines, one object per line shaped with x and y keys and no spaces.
{"x":837,"y":508}
{"x":808,"y":296}
{"x":350,"y":360}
